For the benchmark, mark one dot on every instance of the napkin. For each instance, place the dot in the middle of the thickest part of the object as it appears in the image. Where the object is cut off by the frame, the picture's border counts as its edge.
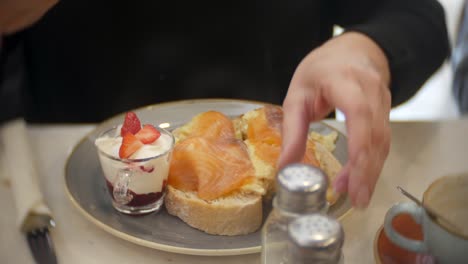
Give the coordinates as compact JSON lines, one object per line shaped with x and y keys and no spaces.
{"x":21,"y":170}
{"x":3,"y":175}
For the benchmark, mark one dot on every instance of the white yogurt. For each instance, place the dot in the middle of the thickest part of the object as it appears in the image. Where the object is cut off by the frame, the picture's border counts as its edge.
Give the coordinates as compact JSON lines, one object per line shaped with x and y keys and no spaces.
{"x":147,"y":176}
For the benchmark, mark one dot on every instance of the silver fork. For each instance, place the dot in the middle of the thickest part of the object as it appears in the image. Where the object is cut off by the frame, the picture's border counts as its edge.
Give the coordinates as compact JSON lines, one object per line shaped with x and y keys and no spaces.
{"x":36,"y":229}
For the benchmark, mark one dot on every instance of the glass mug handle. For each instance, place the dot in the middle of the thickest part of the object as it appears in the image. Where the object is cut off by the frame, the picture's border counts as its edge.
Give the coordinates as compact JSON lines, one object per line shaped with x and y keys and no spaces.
{"x":416,"y":213}
{"x":121,"y":193}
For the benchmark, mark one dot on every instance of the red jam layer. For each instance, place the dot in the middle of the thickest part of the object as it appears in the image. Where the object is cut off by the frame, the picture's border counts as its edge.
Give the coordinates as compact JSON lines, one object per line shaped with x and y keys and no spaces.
{"x":139,"y":199}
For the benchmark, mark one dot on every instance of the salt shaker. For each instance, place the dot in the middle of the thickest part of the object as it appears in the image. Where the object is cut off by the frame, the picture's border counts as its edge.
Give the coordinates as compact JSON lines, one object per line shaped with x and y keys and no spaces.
{"x":315,"y":238}
{"x":301,"y":189}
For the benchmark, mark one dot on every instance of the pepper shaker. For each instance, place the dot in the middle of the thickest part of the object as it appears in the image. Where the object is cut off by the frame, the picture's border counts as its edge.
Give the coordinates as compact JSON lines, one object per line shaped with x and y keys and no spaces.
{"x":315,"y":238}
{"x":301,"y":189}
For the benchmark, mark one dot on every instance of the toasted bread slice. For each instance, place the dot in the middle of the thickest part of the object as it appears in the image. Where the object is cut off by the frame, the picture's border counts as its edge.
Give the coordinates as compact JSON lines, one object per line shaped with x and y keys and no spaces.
{"x":236,"y":214}
{"x":240,"y":212}
{"x":331,"y":166}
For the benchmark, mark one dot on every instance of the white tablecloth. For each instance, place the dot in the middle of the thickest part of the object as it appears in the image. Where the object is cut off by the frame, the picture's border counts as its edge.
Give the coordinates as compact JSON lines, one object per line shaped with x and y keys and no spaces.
{"x":420,"y":153}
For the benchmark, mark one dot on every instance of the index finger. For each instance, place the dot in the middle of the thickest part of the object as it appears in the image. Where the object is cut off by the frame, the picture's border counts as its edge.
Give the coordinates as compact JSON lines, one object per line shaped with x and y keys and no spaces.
{"x":294,"y":129}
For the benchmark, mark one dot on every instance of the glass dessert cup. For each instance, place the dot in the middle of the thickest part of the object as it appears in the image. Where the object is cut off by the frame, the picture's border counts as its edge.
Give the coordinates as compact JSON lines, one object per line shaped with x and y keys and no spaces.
{"x":136,"y":186}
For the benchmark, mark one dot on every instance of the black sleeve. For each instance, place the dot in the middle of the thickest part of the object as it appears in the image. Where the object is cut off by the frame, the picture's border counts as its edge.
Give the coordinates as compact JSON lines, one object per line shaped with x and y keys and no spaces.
{"x":412,"y":33}
{"x":12,"y":79}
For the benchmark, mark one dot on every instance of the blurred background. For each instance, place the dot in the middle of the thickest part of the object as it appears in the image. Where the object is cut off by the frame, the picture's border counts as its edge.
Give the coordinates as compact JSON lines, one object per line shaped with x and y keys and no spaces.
{"x":435,"y":99}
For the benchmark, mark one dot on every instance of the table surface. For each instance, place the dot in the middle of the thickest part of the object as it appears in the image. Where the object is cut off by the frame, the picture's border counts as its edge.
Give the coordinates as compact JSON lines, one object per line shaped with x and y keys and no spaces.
{"x":420,"y":153}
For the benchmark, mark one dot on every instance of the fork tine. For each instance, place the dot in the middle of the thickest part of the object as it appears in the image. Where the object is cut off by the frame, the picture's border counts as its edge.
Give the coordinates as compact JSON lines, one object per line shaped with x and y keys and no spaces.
{"x":41,"y":245}
{"x":46,"y":246}
{"x":49,"y":247}
{"x":32,"y":241}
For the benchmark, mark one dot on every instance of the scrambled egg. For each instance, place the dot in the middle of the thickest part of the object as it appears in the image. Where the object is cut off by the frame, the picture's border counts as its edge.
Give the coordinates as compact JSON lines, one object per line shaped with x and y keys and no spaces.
{"x":328,"y":141}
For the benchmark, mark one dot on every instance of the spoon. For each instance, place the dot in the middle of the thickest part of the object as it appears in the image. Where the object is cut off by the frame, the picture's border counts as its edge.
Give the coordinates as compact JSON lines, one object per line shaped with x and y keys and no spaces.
{"x":431,"y":212}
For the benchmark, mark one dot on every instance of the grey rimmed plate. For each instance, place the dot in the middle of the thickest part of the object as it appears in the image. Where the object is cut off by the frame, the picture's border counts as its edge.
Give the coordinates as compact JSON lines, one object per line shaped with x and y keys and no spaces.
{"x":86,"y":187}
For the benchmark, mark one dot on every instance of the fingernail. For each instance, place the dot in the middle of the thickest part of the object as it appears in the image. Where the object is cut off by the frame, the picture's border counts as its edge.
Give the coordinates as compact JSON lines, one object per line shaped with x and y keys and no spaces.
{"x":362,"y":199}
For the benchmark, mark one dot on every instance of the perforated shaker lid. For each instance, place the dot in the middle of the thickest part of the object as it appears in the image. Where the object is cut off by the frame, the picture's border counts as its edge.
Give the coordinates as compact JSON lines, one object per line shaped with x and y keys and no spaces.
{"x":301,"y":188}
{"x":316,"y":237}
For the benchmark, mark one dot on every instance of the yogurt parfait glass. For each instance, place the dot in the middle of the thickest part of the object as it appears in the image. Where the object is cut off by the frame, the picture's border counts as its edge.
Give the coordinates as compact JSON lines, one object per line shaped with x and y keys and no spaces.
{"x":136,"y":185}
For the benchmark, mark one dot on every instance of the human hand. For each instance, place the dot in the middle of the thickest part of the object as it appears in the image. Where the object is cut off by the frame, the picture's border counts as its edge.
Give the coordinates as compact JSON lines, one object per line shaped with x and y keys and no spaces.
{"x":351,"y":73}
{"x":19,"y":14}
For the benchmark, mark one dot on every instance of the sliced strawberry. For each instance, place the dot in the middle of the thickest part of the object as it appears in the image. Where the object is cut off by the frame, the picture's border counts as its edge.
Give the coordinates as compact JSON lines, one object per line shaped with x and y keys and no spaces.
{"x":148,"y":134}
{"x":130,"y":144}
{"x":131,"y":124}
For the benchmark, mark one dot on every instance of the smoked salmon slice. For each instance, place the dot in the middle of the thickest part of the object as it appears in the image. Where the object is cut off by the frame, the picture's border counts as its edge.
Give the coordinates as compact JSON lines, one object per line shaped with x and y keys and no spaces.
{"x":266,"y":125}
{"x":270,"y":153}
{"x":210,"y":124}
{"x":210,"y":161}
{"x":264,"y":133}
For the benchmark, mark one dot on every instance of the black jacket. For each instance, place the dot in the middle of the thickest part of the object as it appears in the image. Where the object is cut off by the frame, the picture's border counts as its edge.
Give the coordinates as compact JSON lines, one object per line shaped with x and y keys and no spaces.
{"x":87,"y":60}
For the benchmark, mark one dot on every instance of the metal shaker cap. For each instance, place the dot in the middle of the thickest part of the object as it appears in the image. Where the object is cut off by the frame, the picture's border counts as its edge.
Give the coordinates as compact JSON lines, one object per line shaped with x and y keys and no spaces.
{"x":301,"y":188}
{"x":315,"y":237}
